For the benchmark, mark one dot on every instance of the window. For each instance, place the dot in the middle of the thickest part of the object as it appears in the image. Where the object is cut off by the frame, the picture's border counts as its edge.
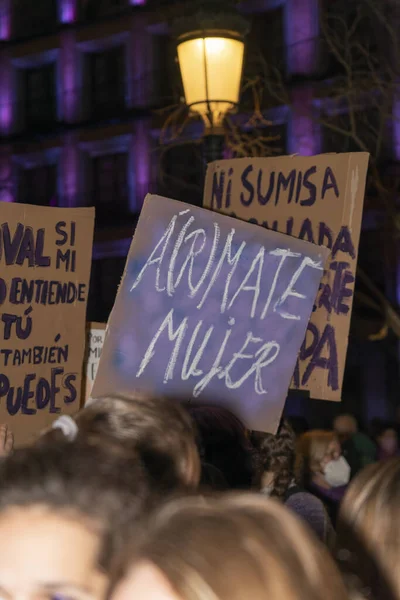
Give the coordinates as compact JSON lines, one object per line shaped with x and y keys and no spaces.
{"x":40,"y":96}
{"x":107,"y":82}
{"x":38,"y":186}
{"x":33,"y":18}
{"x":354,"y":35}
{"x":102,"y":8}
{"x":265,"y":48}
{"x":104,"y":281}
{"x":167,"y":76}
{"x":110,"y":189}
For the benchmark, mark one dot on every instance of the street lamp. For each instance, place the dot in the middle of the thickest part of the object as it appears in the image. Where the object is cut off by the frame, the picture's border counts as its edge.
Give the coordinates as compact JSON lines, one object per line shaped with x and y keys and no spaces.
{"x":210,"y":49}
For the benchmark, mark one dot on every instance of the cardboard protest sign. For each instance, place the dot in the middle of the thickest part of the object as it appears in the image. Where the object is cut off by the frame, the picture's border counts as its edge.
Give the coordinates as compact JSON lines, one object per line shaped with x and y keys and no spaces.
{"x":318,"y":199}
{"x":45,"y":255}
{"x":95,"y":334}
{"x":210,"y":308}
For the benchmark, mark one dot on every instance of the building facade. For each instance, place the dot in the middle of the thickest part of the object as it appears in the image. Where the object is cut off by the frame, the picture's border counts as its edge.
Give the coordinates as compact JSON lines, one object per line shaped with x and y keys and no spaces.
{"x":80,"y":85}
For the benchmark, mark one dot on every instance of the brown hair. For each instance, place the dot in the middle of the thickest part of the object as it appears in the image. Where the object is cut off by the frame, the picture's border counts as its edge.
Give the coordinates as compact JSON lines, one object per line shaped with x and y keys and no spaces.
{"x":277,"y":455}
{"x":158,"y":429}
{"x":368,"y":540}
{"x":235,"y":547}
{"x":105,"y":487}
{"x":311,"y":449}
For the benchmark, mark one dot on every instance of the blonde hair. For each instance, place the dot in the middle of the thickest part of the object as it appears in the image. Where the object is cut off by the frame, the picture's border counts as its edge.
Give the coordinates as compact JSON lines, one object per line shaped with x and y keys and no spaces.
{"x":369,"y":527}
{"x":234,"y":547}
{"x":311,"y":449}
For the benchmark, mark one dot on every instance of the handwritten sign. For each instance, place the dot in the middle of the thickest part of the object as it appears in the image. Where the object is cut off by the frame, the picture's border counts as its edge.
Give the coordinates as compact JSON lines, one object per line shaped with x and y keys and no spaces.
{"x":95,"y":334}
{"x":210,"y":308}
{"x":45,"y":257}
{"x":318,"y":199}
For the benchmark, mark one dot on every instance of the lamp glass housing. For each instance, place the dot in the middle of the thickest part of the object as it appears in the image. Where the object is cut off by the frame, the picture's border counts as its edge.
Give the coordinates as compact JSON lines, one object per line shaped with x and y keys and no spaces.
{"x":211,"y":70}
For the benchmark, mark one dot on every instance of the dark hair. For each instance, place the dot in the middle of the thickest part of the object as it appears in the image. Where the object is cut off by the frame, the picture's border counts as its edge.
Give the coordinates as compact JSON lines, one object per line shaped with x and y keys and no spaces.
{"x":277,"y":455}
{"x":212,"y":479}
{"x":223,"y":443}
{"x":103,"y":486}
{"x":152,"y":427}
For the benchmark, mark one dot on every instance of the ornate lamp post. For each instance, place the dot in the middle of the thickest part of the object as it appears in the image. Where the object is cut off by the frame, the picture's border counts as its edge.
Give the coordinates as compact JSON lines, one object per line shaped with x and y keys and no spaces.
{"x":210,"y":49}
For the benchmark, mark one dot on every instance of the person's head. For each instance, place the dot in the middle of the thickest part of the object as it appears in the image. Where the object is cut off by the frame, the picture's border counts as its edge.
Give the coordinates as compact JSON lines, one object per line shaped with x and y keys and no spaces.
{"x":227,"y":548}
{"x":277,"y":458}
{"x":386,"y":438}
{"x":64,"y":512}
{"x":223,"y":442}
{"x":368,"y":529}
{"x":151,"y":426}
{"x":345,"y":426}
{"x":319,"y":455}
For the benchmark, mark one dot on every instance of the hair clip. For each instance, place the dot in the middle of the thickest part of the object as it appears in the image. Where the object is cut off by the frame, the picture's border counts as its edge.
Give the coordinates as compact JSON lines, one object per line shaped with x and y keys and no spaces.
{"x":67,"y":426}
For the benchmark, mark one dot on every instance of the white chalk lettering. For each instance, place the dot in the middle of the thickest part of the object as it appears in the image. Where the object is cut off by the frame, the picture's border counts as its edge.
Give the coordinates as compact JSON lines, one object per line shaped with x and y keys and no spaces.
{"x":177,"y":335}
{"x":232,"y":261}
{"x":175,"y":252}
{"x":260,"y":358}
{"x":284,"y":253}
{"x":159,"y":259}
{"x":215,"y":369}
{"x":193,"y":370}
{"x":192,"y":255}
{"x":290,"y":291}
{"x":263,"y":360}
{"x":258,"y":264}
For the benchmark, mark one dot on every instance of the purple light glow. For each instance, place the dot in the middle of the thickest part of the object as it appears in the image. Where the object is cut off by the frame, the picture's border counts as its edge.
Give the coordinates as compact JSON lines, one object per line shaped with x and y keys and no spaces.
{"x":396,"y":126}
{"x":5,"y":112}
{"x":141,"y":154}
{"x":228,"y":153}
{"x":5,"y":97}
{"x":137,"y":2}
{"x":304,"y":138}
{"x":68,"y":12}
{"x":302,"y":33}
{"x":69,"y":75}
{"x":5,"y":20}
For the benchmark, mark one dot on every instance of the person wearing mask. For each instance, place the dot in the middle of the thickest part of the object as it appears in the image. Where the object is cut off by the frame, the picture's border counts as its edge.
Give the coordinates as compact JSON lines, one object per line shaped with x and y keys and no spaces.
{"x":275,"y":477}
{"x":234,"y":547}
{"x":357,"y":447}
{"x":323,"y":469}
{"x":65,"y":509}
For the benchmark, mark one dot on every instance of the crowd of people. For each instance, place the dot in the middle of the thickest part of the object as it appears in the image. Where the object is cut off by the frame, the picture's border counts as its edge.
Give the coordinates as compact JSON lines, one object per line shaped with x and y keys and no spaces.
{"x":144,"y":498}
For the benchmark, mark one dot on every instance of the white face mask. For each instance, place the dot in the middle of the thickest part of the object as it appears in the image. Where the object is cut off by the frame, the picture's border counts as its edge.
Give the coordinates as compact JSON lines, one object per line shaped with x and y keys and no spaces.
{"x":337,"y":472}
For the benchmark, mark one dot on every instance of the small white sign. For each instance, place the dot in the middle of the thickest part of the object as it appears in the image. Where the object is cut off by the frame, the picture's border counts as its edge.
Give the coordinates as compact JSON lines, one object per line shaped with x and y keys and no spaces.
{"x":95,"y":339}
